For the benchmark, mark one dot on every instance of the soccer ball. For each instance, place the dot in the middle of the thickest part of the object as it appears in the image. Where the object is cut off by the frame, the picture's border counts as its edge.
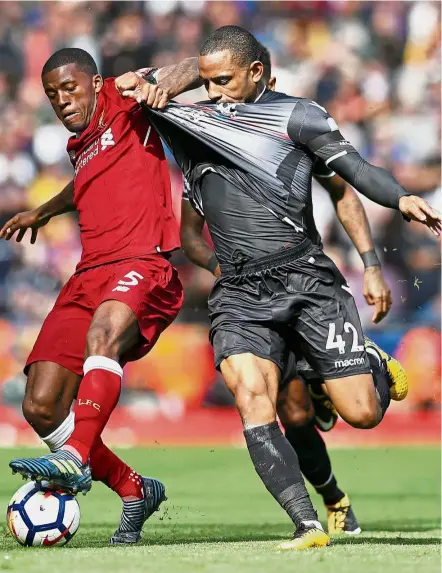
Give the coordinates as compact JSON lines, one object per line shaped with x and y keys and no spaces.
{"x":39,"y":516}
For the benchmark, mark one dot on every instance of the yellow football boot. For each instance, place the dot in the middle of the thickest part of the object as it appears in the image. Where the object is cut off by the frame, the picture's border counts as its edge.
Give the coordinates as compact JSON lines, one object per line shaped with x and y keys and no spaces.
{"x":306,"y":537}
{"x":341,"y":518}
{"x":396,"y":373}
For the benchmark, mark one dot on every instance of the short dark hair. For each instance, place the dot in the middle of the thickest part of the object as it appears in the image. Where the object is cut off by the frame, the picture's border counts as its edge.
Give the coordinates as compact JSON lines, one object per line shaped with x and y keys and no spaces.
{"x":82,"y":59}
{"x":243,"y":45}
{"x":266,"y":61}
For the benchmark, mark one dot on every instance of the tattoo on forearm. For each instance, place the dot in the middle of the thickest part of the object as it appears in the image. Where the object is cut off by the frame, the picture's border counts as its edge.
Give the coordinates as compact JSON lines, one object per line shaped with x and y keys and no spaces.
{"x":183,"y":77}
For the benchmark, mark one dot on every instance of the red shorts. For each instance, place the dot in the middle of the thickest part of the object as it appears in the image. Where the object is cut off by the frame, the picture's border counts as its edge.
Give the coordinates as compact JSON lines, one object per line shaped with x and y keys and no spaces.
{"x":149,"y":286}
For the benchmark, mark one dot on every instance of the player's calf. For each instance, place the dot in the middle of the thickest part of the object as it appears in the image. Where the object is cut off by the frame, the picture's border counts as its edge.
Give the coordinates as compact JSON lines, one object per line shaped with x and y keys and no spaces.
{"x":50,"y":390}
{"x":254,"y":383}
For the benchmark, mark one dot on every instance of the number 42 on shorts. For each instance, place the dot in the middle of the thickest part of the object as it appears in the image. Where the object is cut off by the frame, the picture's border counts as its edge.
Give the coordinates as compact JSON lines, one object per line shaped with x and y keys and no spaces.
{"x":336,"y":341}
{"x":124,"y":286}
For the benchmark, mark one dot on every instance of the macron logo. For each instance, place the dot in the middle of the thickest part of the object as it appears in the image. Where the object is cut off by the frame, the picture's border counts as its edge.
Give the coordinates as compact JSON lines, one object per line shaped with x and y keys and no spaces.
{"x":107,"y":139}
{"x":349,"y":362}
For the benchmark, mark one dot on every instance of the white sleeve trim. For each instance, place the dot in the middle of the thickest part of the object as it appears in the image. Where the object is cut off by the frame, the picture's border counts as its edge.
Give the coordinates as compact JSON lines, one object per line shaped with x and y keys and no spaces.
{"x":333,"y":157}
{"x":328,"y":176}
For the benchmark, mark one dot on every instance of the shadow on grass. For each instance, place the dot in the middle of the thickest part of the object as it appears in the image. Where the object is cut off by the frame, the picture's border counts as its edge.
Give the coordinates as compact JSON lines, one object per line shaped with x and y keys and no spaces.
{"x":399,"y":540}
{"x":402,"y":525}
{"x":233,"y":533}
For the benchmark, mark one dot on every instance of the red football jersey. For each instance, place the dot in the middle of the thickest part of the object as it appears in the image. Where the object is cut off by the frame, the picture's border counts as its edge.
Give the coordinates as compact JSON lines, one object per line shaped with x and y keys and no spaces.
{"x":121,"y":184}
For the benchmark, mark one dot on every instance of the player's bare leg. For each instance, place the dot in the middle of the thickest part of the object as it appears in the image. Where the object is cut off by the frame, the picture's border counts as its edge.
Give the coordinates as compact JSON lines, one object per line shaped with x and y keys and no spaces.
{"x":254,"y":382}
{"x":296,"y":412}
{"x":113,"y":332}
{"x":50,"y":391}
{"x":355,"y":399}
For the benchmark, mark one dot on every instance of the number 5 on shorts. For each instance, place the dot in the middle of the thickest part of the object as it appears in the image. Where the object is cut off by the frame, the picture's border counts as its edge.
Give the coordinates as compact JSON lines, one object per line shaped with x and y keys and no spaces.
{"x":123,"y":286}
{"x":336,"y":341}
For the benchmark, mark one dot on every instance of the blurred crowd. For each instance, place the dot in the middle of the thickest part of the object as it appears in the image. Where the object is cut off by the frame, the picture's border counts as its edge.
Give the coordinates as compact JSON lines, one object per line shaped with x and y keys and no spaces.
{"x":375,"y":66}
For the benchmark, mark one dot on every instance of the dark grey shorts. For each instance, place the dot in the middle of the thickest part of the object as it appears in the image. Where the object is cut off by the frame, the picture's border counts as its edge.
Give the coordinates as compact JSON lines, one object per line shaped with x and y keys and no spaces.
{"x":302,"y":308}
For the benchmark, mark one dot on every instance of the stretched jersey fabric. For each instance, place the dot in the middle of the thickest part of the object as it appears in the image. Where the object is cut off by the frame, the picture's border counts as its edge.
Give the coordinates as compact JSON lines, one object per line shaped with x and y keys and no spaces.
{"x":265,"y":151}
{"x":121,"y":184}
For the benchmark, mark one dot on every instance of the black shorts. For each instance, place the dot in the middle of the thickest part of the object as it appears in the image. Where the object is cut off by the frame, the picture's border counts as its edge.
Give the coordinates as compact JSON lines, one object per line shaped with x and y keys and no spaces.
{"x":296,"y":366}
{"x":279,"y":304}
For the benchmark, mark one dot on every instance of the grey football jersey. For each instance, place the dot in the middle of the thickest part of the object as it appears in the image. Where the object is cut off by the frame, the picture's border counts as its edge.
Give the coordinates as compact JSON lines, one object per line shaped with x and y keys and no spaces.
{"x":267,"y":152}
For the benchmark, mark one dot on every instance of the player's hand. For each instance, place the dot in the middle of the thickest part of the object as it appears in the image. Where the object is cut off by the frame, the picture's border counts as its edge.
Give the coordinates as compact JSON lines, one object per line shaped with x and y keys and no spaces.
{"x":417,"y":209}
{"x":152,"y":95}
{"x":127,"y":82}
{"x":377,"y":293}
{"x":21,"y":223}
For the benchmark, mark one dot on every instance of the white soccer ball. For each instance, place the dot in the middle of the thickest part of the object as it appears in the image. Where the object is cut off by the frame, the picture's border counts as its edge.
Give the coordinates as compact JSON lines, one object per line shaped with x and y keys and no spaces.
{"x":39,"y":516}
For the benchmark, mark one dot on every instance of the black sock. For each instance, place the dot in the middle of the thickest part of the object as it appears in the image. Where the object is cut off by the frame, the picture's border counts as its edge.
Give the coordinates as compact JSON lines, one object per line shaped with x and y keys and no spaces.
{"x":314,"y":461}
{"x":277,"y":465}
{"x":380,"y":378}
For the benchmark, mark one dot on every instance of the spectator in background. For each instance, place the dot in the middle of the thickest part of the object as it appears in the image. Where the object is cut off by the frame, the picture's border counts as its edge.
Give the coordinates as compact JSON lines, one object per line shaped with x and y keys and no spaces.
{"x":374,"y":65}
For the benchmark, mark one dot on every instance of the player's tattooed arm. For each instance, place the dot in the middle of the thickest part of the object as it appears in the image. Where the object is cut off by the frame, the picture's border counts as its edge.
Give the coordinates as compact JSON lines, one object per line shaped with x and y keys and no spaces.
{"x":156,"y":87}
{"x":192,"y":240}
{"x":180,"y":78}
{"x":353,"y":218}
{"x":39,"y":217}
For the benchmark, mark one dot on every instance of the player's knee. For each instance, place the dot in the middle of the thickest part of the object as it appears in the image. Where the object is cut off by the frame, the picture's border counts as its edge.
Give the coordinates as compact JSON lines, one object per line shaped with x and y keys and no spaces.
{"x":101,"y":341}
{"x":291,"y":415}
{"x":40,"y":413}
{"x":364,"y":418}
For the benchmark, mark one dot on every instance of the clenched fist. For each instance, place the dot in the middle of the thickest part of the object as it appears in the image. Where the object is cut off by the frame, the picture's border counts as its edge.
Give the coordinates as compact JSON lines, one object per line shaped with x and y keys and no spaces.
{"x":132,"y":86}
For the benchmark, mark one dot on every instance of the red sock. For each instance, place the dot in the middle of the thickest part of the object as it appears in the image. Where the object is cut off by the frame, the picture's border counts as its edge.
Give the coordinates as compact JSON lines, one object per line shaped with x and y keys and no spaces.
{"x":97,"y":398}
{"x":109,"y":469}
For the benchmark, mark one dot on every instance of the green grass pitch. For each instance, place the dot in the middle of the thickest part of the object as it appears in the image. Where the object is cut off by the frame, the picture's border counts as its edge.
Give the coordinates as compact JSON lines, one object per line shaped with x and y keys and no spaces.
{"x":220,"y":518}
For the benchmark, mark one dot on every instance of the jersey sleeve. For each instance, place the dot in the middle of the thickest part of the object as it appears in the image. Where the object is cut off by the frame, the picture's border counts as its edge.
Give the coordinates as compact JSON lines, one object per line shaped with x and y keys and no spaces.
{"x":186,"y":188}
{"x":188,"y":196}
{"x":311,"y":126}
{"x":321,"y":171}
{"x":124,"y":103}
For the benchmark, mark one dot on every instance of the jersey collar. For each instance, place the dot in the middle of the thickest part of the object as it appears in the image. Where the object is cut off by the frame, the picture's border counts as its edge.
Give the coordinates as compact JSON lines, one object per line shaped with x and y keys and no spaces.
{"x":260,"y":95}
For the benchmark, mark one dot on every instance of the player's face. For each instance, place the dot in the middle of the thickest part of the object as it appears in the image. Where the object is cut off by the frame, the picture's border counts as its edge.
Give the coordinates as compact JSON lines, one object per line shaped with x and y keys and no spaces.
{"x":228,"y":82}
{"x":73,"y":95}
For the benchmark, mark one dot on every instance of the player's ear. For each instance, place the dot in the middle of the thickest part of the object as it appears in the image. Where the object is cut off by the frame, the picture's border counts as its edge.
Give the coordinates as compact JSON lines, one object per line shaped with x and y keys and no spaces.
{"x":271,"y":84}
{"x":256,"y":71}
{"x":97,"y":81}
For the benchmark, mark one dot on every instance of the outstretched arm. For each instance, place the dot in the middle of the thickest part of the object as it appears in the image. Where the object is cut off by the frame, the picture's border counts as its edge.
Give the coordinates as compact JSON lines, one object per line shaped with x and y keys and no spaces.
{"x":382,"y":188}
{"x":312,"y":126}
{"x":353,"y":218}
{"x":192,"y":241}
{"x":36,"y":218}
